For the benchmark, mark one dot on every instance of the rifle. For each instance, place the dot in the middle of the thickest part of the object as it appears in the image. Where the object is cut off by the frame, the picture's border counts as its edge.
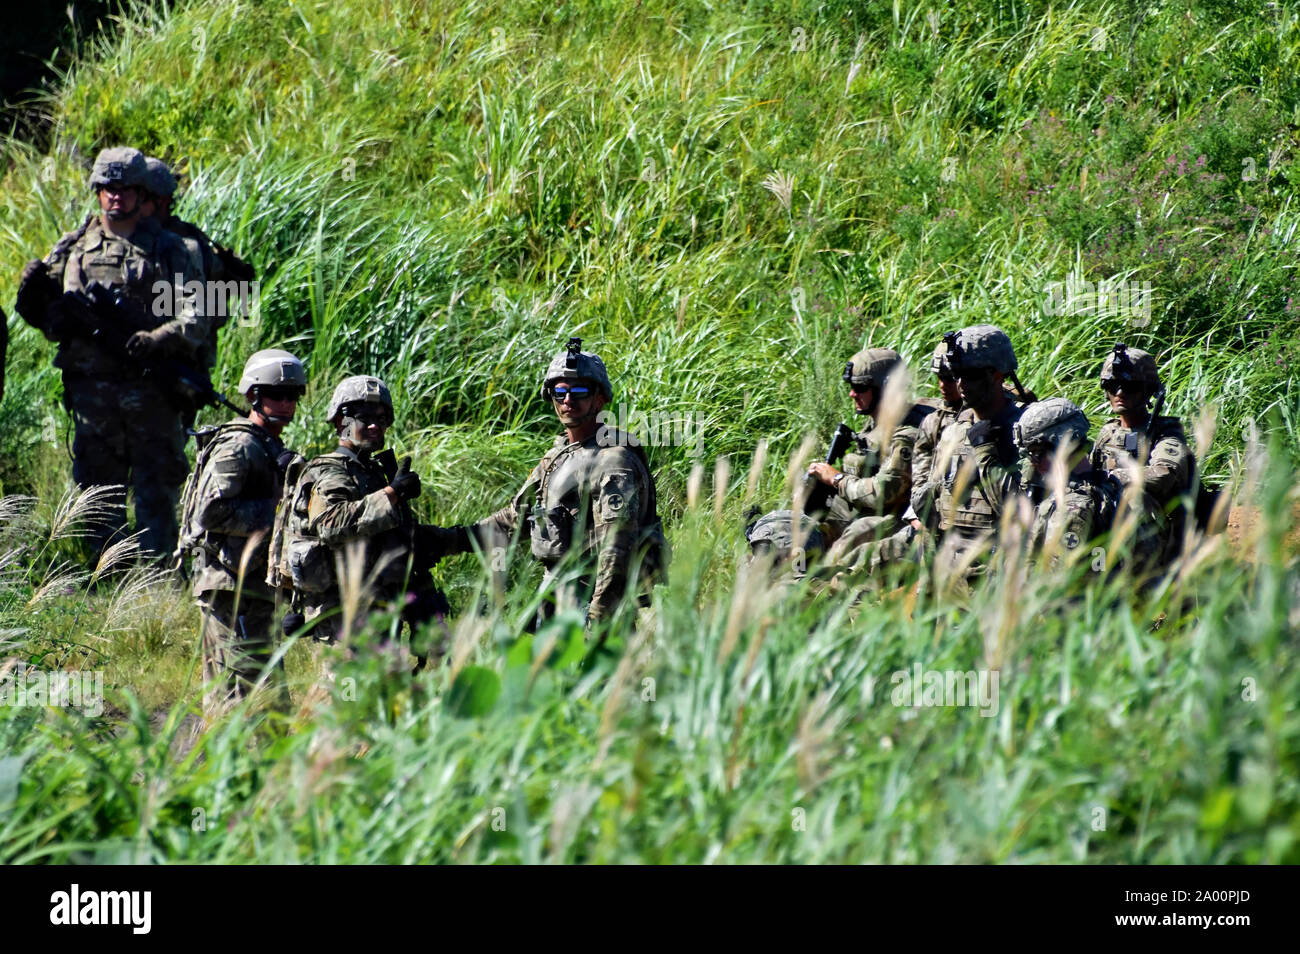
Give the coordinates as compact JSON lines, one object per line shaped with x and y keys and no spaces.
{"x":816,"y":493}
{"x":102,"y":318}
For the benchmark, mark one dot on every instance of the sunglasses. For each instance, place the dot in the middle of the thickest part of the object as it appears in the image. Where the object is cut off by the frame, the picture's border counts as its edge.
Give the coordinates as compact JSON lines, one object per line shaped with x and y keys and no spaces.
{"x":561,"y":391}
{"x":368,"y":415}
{"x":280,"y":392}
{"x":860,"y":388}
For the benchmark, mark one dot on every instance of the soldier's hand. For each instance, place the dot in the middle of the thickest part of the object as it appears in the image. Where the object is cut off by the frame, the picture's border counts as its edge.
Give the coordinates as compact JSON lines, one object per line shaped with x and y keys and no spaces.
{"x":286,"y":458}
{"x":405,"y":483}
{"x":146,"y":344}
{"x":824,"y":472}
{"x":34,"y":267}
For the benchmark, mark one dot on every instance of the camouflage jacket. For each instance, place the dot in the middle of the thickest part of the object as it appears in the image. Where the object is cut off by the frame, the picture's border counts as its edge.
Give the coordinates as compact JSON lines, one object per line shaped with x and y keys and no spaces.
{"x":1163,"y":450}
{"x":345,"y":504}
{"x":235,"y":506}
{"x":596,"y":497}
{"x":1062,"y":526}
{"x":975,"y":481}
{"x":923,"y":451}
{"x":133,"y":265}
{"x":881,"y":484}
{"x":200,"y":247}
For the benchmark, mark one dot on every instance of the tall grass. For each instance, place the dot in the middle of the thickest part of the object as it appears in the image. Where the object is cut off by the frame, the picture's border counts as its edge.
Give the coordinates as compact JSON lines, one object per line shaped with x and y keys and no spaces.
{"x":442,"y":193}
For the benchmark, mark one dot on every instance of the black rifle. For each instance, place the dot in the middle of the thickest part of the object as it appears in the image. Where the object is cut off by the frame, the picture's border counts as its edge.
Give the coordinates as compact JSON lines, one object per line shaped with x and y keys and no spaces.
{"x":816,"y":493}
{"x":104,"y":319}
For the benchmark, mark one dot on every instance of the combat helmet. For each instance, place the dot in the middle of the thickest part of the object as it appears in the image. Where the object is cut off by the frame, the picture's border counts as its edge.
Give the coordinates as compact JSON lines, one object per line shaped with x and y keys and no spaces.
{"x":1125,"y":365}
{"x":980,"y":346}
{"x":159,"y":178}
{"x":273,"y":368}
{"x":359,"y":389}
{"x":870,"y":368}
{"x":120,"y":165}
{"x":574,"y":364}
{"x":775,"y":532}
{"x":1051,"y":422}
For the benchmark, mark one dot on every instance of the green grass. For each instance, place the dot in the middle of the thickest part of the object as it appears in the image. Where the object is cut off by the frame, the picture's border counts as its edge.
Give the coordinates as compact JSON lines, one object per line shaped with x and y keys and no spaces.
{"x":442,"y":193}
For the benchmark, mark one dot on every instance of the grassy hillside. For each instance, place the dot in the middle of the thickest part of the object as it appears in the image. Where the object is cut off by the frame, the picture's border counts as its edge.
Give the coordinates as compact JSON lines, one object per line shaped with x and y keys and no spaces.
{"x":725,"y":203}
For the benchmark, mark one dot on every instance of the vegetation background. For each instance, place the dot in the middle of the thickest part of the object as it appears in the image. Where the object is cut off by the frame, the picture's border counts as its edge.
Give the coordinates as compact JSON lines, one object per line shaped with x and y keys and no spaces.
{"x":725,"y":201}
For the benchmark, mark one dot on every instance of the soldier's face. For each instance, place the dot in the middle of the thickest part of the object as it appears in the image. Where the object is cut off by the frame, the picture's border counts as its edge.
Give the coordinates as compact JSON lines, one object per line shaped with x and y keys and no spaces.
{"x":1125,"y":398}
{"x":573,"y":409}
{"x":950,"y":389}
{"x":978,"y":387}
{"x":863,"y":400}
{"x":366,"y":428}
{"x":118,"y":201}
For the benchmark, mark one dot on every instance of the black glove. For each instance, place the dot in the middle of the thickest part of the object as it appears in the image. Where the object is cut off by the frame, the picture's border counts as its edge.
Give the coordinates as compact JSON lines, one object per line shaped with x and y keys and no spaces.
{"x":292,"y":622}
{"x":286,"y":458}
{"x":36,"y":292}
{"x":405,"y":483}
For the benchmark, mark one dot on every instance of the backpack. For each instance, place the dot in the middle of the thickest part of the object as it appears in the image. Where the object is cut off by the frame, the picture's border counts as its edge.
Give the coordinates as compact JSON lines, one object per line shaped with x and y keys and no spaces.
{"x":295,"y":559}
{"x":192,"y":537}
{"x":656,"y":554}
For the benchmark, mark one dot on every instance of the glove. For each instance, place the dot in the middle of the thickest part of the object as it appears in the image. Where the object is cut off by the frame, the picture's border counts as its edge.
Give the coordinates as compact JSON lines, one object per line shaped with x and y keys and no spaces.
{"x":405,"y":483}
{"x":286,"y":458}
{"x":147,"y":344}
{"x":36,"y":292}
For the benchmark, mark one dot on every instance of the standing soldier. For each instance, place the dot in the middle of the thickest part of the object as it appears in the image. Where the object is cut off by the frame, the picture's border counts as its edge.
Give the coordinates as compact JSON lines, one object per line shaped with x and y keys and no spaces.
{"x":874,"y":488}
{"x":1083,"y":505}
{"x":591,"y":498}
{"x":1142,"y":445}
{"x":227,"y":519}
{"x":976,"y":465}
{"x":218,"y":263}
{"x":128,"y":431}
{"x":353,"y":503}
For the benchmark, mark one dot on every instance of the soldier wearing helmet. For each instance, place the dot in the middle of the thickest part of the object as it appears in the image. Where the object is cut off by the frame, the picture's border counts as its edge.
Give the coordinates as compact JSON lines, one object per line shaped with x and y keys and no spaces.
{"x":1141,"y":444}
{"x":590,"y":507}
{"x":127,"y":432}
{"x":772,"y":536}
{"x":1079,"y":503}
{"x":975,"y":466}
{"x":921,"y":515}
{"x":228,"y":511}
{"x":218,"y":264}
{"x":873,"y":489}
{"x":356,"y":499}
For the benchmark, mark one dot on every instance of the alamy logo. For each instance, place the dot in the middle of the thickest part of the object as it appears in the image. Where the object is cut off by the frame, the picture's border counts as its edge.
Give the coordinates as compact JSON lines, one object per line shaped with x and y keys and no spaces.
{"x":23,"y":687}
{"x":214,"y":299}
{"x":1108,"y":297}
{"x":103,"y":907}
{"x":658,"y":429}
{"x":919,"y":687}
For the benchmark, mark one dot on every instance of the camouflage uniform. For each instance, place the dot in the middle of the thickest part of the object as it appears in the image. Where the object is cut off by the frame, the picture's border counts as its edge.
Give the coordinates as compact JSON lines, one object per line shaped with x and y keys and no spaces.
{"x":593,"y":502}
{"x":237,"y":493}
{"x":126,"y":431}
{"x":976,"y":466}
{"x":594,"y":499}
{"x":1161,"y":448}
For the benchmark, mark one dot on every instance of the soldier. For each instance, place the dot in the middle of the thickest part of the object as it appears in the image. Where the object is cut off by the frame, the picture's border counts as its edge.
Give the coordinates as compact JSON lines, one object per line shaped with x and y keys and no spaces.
{"x":591,"y":498}
{"x":1140,"y":444}
{"x":127,"y":430}
{"x":228,"y":516}
{"x":922,"y":513}
{"x":1083,"y":505}
{"x":353,"y":501}
{"x":976,"y":465}
{"x":874,"y":488}
{"x":223,"y":270}
{"x":772,"y":535}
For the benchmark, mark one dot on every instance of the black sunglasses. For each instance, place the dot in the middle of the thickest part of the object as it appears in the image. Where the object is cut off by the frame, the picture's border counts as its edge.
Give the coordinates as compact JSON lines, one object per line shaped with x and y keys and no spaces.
{"x":280,"y":392}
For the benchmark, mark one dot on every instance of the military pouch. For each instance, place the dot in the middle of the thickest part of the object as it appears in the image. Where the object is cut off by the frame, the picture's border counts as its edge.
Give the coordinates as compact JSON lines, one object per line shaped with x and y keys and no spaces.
{"x":310,"y":565}
{"x":552,"y":532}
{"x":855,"y":464}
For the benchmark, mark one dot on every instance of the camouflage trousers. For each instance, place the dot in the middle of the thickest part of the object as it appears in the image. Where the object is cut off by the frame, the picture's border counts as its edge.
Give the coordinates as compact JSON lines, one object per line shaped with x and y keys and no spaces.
{"x":237,"y":644}
{"x":868,"y":542}
{"x":962,"y":558}
{"x":126,"y":433}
